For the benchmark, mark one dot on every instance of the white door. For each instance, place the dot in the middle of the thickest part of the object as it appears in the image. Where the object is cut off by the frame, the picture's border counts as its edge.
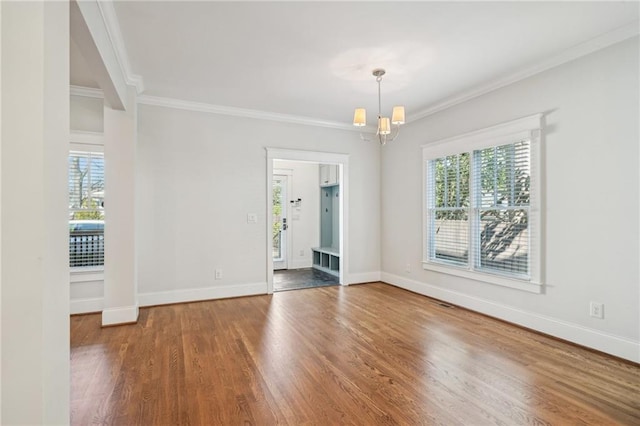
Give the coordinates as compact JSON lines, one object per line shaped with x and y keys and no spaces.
{"x":280,"y":222}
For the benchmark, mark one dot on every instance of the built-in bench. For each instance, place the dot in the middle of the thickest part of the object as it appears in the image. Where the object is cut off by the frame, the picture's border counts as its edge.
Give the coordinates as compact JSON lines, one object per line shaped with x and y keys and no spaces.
{"x":327,"y":259}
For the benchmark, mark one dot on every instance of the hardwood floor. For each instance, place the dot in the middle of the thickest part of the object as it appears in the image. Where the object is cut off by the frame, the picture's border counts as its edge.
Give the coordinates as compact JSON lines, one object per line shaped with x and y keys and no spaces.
{"x":368,"y":354}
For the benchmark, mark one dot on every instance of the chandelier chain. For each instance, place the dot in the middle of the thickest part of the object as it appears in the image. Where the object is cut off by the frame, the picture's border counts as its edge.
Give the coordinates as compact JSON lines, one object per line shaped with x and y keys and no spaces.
{"x":379,"y":79}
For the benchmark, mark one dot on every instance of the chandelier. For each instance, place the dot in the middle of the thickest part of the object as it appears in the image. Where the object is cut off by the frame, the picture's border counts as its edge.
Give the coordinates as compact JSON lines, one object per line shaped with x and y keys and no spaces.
{"x":385,"y":132}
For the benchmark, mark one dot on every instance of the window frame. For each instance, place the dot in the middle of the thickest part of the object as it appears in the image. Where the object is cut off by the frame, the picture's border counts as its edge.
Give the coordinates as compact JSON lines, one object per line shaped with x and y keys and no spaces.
{"x":90,"y":143}
{"x":510,"y":132}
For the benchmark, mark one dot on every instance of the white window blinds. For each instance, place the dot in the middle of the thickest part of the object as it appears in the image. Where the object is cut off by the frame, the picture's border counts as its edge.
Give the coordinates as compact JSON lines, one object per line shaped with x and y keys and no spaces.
{"x":448,"y":207}
{"x":502,"y":186}
{"x":86,"y":209}
{"x":481,"y":212}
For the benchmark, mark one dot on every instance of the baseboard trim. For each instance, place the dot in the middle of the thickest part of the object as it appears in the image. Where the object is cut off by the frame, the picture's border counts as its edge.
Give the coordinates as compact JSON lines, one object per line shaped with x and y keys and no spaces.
{"x":300,"y":264}
{"x":198,"y":294}
{"x":611,"y":344}
{"x":364,"y":277}
{"x":86,"y":306}
{"x":117,"y":316}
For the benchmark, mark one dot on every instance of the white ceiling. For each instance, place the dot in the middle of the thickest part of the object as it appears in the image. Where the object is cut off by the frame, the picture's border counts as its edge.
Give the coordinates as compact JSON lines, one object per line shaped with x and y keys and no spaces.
{"x":79,"y":70}
{"x":314,"y":59}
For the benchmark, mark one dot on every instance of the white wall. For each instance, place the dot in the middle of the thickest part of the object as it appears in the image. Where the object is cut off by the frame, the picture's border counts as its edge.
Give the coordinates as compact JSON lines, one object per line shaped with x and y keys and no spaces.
{"x":198,"y":177}
{"x":35,"y":272}
{"x":590,"y":195}
{"x":87,"y":114}
{"x":304,"y":222}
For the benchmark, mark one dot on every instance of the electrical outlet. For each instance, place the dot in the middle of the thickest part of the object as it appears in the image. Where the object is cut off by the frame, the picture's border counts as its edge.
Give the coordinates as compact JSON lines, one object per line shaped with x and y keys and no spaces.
{"x":407,"y":268}
{"x":218,"y":274}
{"x":301,"y":253}
{"x":252,"y":218}
{"x":596,"y":310}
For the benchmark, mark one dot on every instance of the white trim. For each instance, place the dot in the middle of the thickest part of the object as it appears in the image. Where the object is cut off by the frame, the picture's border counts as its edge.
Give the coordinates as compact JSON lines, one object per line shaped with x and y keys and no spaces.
{"x":241,"y":112}
{"x":122,"y":315}
{"x":536,"y":207}
{"x":364,"y":277}
{"x":87,"y":92}
{"x":86,"y":306}
{"x":488,"y":278}
{"x":84,"y":148}
{"x":307,"y":156}
{"x":86,"y":138}
{"x":575,"y":52}
{"x":112,"y":25}
{"x":504,"y":133}
{"x":318,"y":158}
{"x":85,"y":276}
{"x":609,"y":343}
{"x":481,"y":138}
{"x":198,"y":294}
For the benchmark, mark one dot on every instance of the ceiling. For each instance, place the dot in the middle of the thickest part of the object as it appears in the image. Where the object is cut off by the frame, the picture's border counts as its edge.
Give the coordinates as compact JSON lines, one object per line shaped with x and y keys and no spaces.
{"x":314,"y":59}
{"x":80,"y":73}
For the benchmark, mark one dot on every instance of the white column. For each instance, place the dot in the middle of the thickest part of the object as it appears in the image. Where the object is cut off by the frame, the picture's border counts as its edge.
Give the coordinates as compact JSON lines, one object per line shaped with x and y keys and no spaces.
{"x":120,"y":283}
{"x":34,"y":256}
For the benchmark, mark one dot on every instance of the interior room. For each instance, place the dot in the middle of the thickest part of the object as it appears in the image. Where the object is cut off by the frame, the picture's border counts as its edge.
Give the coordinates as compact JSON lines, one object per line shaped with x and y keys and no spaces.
{"x":306,"y":225}
{"x":425,"y":175}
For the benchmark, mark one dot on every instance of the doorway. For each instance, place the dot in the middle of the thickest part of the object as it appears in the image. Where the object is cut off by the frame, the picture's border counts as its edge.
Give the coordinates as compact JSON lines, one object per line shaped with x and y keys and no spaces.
{"x":287,"y":209}
{"x":300,"y":224}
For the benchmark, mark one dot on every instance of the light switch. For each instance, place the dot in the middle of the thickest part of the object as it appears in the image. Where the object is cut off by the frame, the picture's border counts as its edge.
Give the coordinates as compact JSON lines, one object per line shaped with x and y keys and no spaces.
{"x":252,"y":218}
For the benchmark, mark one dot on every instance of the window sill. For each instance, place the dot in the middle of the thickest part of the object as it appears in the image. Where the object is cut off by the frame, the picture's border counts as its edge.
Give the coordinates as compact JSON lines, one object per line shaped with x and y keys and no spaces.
{"x":87,"y":274}
{"x":529,"y":286}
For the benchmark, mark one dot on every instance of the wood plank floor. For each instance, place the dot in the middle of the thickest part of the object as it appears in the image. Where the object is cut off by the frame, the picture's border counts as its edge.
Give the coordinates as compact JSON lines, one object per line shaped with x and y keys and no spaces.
{"x":368,"y":354}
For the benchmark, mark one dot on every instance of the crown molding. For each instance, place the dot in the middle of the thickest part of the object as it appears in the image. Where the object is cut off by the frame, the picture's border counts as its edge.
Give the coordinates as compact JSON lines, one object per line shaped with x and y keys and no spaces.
{"x":605,"y":40}
{"x":241,"y":112}
{"x":112,"y":25}
{"x":87,"y":92}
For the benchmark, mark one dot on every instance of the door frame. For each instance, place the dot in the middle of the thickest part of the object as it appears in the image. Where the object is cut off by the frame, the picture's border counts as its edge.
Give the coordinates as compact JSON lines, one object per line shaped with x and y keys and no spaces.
{"x":286,"y":254}
{"x":317,"y":157}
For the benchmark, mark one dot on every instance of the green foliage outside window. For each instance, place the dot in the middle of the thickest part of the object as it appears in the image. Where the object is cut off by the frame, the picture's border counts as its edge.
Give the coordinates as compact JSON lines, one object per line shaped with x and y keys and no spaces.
{"x":452,"y":181}
{"x":92,"y":211}
{"x":504,"y":185}
{"x":277,"y":219}
{"x":502,"y":179}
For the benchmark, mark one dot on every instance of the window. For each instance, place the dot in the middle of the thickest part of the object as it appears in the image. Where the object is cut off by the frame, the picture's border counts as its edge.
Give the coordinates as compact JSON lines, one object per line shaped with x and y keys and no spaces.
{"x":481,"y":205}
{"x":86,"y":210}
{"x":502,"y":178}
{"x":449,"y":209}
